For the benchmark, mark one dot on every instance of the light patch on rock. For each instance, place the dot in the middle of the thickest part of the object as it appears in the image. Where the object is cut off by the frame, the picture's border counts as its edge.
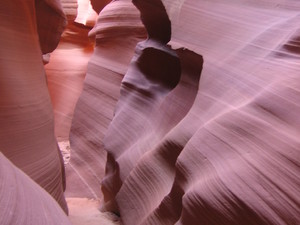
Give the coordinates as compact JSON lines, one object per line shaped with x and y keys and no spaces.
{"x":65,"y":150}
{"x":84,"y":211}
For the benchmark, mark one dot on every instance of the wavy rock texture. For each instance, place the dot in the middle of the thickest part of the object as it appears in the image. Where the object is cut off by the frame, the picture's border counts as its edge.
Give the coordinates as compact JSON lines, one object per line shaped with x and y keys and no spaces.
{"x":228,"y":151}
{"x":23,"y":202}
{"x":119,"y":25}
{"x":70,"y":8}
{"x":26,"y":118}
{"x":223,"y":149}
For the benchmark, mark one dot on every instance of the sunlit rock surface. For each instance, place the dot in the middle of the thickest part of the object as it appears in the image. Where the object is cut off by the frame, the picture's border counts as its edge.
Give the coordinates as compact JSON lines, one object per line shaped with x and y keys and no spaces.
{"x":85,"y":13}
{"x":84,"y":211}
{"x":26,"y":118}
{"x":223,"y":149}
{"x":65,"y":72}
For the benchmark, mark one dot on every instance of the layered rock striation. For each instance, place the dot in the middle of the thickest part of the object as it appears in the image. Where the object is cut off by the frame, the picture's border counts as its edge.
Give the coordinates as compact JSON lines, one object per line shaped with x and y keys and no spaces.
{"x":116,"y":33}
{"x":23,"y":201}
{"x":220,"y":151}
{"x":188,"y":112}
{"x":26,"y":118}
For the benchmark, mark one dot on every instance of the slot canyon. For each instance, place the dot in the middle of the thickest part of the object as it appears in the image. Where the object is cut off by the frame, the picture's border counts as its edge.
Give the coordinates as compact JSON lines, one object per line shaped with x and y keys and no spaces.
{"x":150,"y":112}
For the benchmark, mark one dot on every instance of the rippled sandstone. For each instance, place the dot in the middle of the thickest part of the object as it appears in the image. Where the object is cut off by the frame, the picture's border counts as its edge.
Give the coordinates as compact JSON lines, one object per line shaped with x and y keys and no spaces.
{"x":187,"y":111}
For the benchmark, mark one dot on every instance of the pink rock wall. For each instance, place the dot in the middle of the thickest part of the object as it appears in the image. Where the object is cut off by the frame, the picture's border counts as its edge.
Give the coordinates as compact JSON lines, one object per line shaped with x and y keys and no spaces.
{"x":224,"y":150}
{"x":65,"y":72}
{"x":117,"y":31}
{"x":204,"y":130}
{"x":23,"y":201}
{"x":26,"y":118}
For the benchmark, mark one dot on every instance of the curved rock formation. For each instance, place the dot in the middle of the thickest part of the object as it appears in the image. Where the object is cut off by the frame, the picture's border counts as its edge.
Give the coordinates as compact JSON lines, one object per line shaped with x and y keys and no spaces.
{"x":118,"y":25}
{"x":70,"y":8}
{"x":155,"y":19}
{"x":223,"y":149}
{"x":50,"y":21}
{"x":23,"y":202}
{"x":65,"y":72}
{"x":26,"y":118}
{"x":232,"y":157}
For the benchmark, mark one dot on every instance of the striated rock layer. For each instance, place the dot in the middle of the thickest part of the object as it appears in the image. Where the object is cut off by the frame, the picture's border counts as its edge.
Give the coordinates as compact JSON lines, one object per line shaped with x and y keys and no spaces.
{"x":26,"y":118}
{"x":223,"y":149}
{"x":119,"y":25}
{"x":23,"y":202}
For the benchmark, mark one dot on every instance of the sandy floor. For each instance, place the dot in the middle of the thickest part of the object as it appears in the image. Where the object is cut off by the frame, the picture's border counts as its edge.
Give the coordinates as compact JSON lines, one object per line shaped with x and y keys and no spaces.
{"x":84,"y":211}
